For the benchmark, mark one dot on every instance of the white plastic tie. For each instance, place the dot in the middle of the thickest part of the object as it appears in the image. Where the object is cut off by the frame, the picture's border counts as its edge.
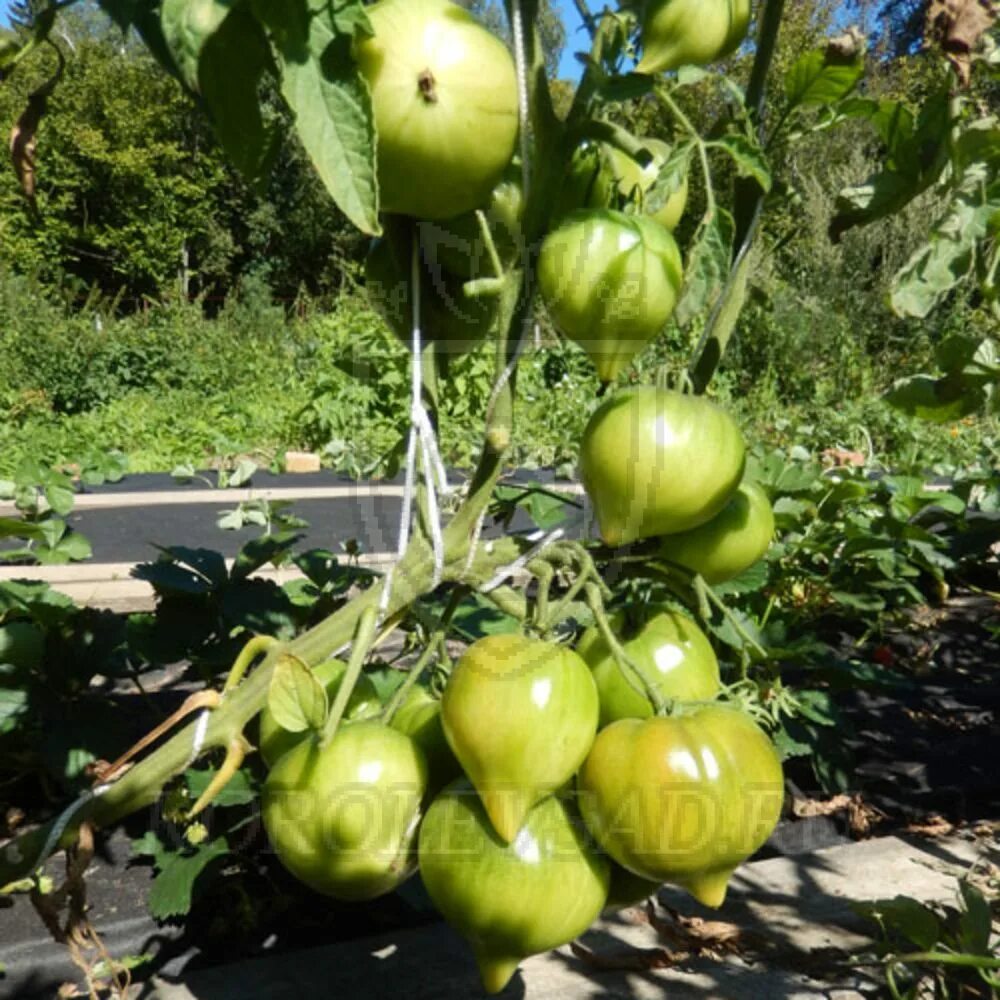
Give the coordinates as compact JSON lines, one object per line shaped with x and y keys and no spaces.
{"x":198,"y":740}
{"x":521,"y":561}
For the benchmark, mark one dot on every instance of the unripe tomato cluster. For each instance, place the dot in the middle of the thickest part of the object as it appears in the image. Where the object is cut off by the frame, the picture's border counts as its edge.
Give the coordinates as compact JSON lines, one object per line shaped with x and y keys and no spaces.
{"x":543,"y":787}
{"x":538,"y":792}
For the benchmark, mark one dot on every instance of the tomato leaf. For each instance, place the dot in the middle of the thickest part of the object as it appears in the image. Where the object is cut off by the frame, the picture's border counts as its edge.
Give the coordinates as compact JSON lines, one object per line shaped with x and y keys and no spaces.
{"x":332,"y":105}
{"x":671,"y":176}
{"x":240,"y":790}
{"x":187,"y":25}
{"x":708,"y":266}
{"x":173,"y":888}
{"x":296,"y":699}
{"x":975,"y":922}
{"x":815,"y":79}
{"x":905,"y":916}
{"x":936,"y":399}
{"x":749,"y":158}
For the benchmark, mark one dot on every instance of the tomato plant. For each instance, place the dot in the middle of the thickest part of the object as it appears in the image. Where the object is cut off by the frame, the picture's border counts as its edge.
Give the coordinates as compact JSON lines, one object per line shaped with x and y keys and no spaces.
{"x":657,"y":462}
{"x":419,"y":717}
{"x":610,"y":282}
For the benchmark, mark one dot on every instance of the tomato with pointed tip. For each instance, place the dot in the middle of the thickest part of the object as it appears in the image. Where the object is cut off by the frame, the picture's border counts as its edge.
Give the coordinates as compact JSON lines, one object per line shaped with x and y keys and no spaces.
{"x":444,"y":100}
{"x":520,"y":715}
{"x":666,"y":645}
{"x":510,"y":900}
{"x":655,"y":461}
{"x":731,"y":542}
{"x":610,"y":282}
{"x":342,"y":816}
{"x":275,"y":741}
{"x":691,"y":32}
{"x":627,"y":889}
{"x":683,"y":799}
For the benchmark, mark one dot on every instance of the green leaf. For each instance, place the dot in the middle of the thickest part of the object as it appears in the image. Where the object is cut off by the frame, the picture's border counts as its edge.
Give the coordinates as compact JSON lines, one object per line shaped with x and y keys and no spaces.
{"x":173,"y":888}
{"x":187,"y":25}
{"x":748,"y":156}
{"x":232,"y":64}
{"x":941,"y":400}
{"x":332,"y":105}
{"x":708,"y":266}
{"x":814,"y":79}
{"x":670,"y":177}
{"x":976,"y":921}
{"x":860,"y":602}
{"x":949,"y":256}
{"x":296,"y":699}
{"x":239,"y":791}
{"x":260,"y":551}
{"x":748,"y":582}
{"x":59,"y":497}
{"x":13,"y":703}
{"x":905,"y":916}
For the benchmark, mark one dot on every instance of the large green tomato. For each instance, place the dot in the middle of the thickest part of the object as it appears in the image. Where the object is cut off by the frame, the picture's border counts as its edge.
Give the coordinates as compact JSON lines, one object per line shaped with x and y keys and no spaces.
{"x":731,"y":542}
{"x":520,"y":715}
{"x":667,"y":646}
{"x":343,"y":817}
{"x":275,"y":741}
{"x":655,"y":461}
{"x":683,"y":799}
{"x":420,"y":718}
{"x":610,"y":282}
{"x":444,"y":99}
{"x":447,"y":317}
{"x":627,"y":889}
{"x":685,"y":32}
{"x":510,"y":900}
{"x":634,"y":181}
{"x":457,"y":244}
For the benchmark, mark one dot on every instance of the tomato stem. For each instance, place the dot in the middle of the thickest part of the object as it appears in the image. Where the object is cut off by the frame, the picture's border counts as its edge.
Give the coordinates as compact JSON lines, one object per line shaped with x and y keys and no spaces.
{"x":363,"y":636}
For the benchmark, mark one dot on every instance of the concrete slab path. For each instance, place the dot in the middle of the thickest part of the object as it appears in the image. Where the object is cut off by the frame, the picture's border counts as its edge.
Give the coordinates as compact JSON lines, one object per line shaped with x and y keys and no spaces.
{"x":797,"y":909}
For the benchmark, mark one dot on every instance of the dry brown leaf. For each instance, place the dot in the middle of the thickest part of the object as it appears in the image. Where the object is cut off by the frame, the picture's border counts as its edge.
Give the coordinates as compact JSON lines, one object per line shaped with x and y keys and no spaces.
{"x":627,"y":960}
{"x":803,"y":808}
{"x":24,"y":133}
{"x":700,"y":937}
{"x":933,"y":825}
{"x":957,"y":26}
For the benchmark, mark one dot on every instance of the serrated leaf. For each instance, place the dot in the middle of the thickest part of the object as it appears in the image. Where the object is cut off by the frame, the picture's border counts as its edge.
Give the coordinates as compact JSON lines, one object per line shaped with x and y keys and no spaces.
{"x":332,"y":105}
{"x":172,"y":890}
{"x":748,"y":157}
{"x":260,"y":551}
{"x":812,"y":79}
{"x":670,"y":177}
{"x":749,"y":581}
{"x":295,"y":698}
{"x":707,"y":266}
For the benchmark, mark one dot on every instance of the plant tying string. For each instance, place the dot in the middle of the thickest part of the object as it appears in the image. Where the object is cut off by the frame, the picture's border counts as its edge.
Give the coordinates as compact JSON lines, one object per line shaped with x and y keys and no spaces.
{"x":422,"y":436}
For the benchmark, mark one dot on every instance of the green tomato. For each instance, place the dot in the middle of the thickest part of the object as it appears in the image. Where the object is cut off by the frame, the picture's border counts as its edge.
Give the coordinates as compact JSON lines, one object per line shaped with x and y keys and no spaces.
{"x":276,"y":741}
{"x":444,"y":99}
{"x":520,"y":715}
{"x":610,"y":282}
{"x":22,"y":645}
{"x":447,"y":317}
{"x":667,"y":646}
{"x":731,"y":542}
{"x":510,"y":900}
{"x":634,"y":182}
{"x":457,"y":244}
{"x":683,"y":799}
{"x":655,"y":461}
{"x":343,"y":816}
{"x":420,"y":718}
{"x":691,"y":32}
